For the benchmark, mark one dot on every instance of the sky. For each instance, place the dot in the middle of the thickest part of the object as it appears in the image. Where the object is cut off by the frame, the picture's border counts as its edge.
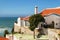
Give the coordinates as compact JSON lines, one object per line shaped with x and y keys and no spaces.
{"x":16,"y":8}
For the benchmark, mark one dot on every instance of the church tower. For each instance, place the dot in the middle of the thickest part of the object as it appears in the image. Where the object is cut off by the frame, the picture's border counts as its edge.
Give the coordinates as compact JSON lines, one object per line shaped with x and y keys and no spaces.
{"x":36,"y":10}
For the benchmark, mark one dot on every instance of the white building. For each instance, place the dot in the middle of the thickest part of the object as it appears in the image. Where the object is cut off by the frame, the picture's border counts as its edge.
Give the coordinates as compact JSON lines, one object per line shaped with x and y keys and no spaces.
{"x":52,"y":15}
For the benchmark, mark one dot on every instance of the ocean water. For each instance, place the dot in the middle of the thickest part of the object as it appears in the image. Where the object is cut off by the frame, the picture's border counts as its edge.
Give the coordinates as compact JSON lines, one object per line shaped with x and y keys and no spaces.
{"x":6,"y":23}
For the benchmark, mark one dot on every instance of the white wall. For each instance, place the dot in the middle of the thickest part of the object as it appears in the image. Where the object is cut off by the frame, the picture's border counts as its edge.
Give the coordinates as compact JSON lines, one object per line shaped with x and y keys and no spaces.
{"x":53,"y":17}
{"x":10,"y":37}
{"x":16,"y":27}
{"x":19,"y":21}
{"x":27,"y":23}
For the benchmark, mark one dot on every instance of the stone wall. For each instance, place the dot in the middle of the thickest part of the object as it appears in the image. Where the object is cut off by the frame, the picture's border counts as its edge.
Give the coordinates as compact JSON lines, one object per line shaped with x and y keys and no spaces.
{"x":24,"y":30}
{"x":53,"y":34}
{"x":16,"y":27}
{"x":45,"y":31}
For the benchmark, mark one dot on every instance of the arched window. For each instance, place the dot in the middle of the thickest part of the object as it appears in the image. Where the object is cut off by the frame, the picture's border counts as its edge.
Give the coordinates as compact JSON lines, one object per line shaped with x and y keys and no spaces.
{"x":53,"y":24}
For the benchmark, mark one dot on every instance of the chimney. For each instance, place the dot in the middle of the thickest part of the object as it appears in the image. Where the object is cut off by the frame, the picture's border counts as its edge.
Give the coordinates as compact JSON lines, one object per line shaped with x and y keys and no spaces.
{"x":36,"y":10}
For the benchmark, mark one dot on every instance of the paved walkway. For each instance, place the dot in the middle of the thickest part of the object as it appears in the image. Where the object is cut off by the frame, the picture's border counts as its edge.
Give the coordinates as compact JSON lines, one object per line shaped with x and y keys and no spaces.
{"x":29,"y":37}
{"x":43,"y":37}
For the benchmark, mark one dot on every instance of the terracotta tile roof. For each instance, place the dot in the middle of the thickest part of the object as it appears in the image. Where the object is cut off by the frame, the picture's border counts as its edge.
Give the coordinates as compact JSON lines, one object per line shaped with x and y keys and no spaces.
{"x":50,"y":11}
{"x":3,"y":38}
{"x":25,"y":18}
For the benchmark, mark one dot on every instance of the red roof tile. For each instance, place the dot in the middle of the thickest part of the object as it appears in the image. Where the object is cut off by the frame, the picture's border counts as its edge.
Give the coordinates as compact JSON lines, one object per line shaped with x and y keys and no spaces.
{"x":3,"y":38}
{"x":50,"y":11}
{"x":25,"y":18}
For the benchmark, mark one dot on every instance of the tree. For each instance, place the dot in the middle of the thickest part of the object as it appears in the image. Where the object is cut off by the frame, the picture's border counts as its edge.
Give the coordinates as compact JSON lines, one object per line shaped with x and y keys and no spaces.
{"x":12,"y":30}
{"x":6,"y":32}
{"x":20,"y":30}
{"x":34,"y":20}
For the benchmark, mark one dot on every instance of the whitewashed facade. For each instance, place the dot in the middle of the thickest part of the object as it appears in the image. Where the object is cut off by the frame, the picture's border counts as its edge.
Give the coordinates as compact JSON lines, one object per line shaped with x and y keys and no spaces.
{"x":20,"y":23}
{"x":53,"y":18}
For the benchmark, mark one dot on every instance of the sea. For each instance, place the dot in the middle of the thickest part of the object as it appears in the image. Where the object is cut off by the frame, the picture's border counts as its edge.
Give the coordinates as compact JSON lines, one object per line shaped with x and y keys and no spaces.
{"x":6,"y":23}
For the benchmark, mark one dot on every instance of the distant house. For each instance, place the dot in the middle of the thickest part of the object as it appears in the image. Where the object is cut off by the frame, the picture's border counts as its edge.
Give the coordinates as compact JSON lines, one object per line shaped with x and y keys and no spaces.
{"x":21,"y":22}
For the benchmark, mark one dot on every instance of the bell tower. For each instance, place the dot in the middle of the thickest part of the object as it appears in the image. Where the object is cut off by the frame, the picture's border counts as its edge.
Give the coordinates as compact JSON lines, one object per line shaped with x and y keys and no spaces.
{"x":36,"y":10}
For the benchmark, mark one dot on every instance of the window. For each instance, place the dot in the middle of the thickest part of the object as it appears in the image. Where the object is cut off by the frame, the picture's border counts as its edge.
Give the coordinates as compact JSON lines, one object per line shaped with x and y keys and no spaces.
{"x":26,"y":23}
{"x":56,"y":23}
